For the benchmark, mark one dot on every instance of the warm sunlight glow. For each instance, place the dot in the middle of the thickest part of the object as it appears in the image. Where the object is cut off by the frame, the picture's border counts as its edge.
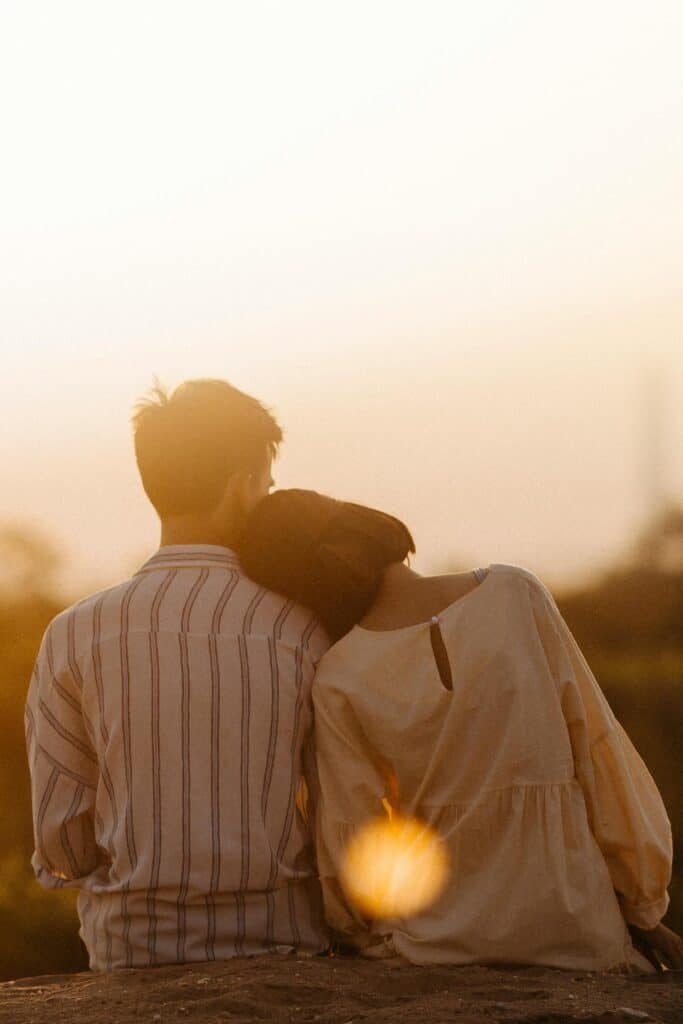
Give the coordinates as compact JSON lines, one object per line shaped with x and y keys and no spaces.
{"x":450,"y":231}
{"x":394,"y":867}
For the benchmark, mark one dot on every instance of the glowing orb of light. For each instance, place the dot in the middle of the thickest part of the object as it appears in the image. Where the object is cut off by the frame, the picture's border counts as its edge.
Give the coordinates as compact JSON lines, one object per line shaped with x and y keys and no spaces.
{"x":394,"y":867}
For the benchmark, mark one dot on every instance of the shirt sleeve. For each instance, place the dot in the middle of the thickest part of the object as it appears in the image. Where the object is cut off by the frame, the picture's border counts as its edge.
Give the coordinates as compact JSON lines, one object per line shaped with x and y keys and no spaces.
{"x":319,"y":643}
{"x":625,"y":810}
{"x":308,"y":789}
{"x":63,"y":768}
{"x":352,"y":787}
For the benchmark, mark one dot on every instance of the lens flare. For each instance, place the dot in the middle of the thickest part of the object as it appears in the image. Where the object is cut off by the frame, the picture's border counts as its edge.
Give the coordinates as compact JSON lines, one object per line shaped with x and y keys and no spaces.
{"x":394,"y":867}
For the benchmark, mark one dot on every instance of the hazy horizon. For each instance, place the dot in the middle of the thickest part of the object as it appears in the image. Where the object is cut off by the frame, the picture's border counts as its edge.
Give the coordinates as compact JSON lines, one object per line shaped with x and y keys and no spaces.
{"x":444,"y":244}
{"x":527,"y":454}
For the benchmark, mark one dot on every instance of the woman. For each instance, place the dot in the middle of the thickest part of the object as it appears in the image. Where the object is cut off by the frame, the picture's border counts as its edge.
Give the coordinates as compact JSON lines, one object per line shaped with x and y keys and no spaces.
{"x":465,"y":701}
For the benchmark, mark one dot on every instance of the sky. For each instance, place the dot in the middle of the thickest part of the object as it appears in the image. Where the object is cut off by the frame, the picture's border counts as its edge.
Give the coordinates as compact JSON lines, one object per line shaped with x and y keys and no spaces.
{"x":442,"y":240}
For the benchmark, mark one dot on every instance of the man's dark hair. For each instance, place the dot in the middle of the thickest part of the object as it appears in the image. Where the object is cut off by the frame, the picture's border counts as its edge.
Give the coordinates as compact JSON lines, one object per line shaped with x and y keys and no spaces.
{"x":326,"y":554}
{"x":189,"y":443}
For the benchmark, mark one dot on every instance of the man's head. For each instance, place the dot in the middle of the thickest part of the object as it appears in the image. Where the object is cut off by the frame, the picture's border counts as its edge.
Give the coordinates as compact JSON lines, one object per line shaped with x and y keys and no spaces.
{"x":204,"y":453}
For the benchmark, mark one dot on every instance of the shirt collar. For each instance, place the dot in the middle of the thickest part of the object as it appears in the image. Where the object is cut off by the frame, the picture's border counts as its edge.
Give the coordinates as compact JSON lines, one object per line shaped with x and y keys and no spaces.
{"x":191,"y":556}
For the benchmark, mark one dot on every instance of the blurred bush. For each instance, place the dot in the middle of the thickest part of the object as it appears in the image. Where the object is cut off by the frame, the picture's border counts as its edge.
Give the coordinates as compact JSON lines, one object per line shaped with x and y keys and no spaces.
{"x":629,"y":626}
{"x":38,"y":929}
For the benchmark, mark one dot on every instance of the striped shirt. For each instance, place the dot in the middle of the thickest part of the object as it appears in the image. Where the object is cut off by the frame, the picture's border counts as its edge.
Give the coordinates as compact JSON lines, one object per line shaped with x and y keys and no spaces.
{"x":168,"y":723}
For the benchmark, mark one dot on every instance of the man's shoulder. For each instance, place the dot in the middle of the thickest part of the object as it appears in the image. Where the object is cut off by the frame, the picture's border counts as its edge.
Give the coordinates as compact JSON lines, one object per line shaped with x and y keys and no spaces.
{"x":247,"y":609}
{"x":296,"y":625}
{"x":83,"y":609}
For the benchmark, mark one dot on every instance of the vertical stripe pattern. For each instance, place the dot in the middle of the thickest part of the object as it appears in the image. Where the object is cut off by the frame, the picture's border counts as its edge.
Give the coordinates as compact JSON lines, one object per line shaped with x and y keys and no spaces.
{"x":155,"y":712}
{"x":127,"y":762}
{"x":215,"y":767}
{"x":165,"y":724}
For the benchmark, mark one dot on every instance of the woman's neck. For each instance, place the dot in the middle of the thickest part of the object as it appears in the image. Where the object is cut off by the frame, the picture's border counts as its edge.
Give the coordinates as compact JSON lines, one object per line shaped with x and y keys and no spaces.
{"x":398,"y":581}
{"x":406,"y":598}
{"x":397,"y":577}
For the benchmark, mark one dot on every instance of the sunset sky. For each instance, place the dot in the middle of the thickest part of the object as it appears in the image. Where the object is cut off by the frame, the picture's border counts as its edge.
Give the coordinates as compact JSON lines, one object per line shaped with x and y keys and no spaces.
{"x":442,"y":240}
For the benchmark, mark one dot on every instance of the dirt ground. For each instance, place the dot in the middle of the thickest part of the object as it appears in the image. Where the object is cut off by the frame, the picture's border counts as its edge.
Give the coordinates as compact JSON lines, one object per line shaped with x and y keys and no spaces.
{"x":341,"y":990}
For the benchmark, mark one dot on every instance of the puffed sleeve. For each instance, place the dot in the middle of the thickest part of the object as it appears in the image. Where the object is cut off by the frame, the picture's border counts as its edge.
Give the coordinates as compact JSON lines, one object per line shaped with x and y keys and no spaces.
{"x":352,"y":789}
{"x":625,"y":810}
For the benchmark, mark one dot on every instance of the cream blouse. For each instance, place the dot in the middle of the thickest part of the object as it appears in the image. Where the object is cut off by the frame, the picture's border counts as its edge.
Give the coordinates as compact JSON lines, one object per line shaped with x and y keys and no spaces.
{"x":556,"y":833}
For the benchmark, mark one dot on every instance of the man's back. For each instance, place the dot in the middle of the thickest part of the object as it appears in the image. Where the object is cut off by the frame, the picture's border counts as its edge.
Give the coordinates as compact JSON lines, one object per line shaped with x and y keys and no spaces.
{"x":166,"y":723}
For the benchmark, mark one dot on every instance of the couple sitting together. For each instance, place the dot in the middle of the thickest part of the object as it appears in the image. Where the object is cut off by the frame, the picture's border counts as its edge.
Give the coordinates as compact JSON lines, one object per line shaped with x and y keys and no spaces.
{"x":206,"y":737}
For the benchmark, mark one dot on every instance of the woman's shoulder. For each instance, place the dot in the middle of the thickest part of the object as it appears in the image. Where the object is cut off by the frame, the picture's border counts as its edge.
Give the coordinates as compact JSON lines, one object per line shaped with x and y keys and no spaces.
{"x":454,"y":581}
{"x":518,"y":571}
{"x":541,"y":596}
{"x":493,"y":580}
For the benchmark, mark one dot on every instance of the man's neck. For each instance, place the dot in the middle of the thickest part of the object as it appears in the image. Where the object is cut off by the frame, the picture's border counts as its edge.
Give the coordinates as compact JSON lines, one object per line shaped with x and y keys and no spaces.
{"x":183,"y":532}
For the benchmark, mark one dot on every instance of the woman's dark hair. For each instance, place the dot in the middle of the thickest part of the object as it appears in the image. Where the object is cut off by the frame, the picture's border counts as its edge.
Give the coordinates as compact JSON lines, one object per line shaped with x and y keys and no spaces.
{"x":326,"y":554}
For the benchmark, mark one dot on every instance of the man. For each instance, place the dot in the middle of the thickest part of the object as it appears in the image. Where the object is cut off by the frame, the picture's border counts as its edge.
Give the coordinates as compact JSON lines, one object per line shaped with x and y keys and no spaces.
{"x":167,"y":717}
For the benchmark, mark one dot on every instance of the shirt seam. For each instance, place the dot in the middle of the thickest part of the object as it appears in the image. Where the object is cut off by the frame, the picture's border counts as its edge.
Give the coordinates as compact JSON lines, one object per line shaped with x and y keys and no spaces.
{"x":504,"y":789}
{"x":469,"y":803}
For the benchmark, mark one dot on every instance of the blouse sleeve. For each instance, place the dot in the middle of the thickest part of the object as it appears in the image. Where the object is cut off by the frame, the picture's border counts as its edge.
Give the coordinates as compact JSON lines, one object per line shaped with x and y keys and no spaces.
{"x":625,"y":810}
{"x":352,"y":787}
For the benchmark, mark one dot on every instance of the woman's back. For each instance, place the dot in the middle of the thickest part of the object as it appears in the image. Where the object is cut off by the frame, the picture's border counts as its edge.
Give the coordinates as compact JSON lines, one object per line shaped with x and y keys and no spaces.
{"x":486,"y":723}
{"x":393,"y":681}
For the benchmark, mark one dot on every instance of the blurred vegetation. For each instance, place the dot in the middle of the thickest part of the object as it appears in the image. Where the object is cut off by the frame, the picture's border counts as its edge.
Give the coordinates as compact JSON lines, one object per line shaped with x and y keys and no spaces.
{"x":38,"y":929}
{"x":629,"y":625}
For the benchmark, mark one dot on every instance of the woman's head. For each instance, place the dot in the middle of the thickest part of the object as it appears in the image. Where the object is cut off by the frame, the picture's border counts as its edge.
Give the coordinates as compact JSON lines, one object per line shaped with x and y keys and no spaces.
{"x":326,"y":554}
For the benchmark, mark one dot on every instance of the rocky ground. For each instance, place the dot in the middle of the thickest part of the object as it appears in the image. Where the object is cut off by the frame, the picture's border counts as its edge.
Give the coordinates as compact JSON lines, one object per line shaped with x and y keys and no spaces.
{"x":341,"y":990}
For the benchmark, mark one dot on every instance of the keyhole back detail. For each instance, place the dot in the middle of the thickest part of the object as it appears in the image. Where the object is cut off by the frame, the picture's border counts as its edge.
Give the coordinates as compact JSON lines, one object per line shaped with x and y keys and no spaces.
{"x":441,"y":654}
